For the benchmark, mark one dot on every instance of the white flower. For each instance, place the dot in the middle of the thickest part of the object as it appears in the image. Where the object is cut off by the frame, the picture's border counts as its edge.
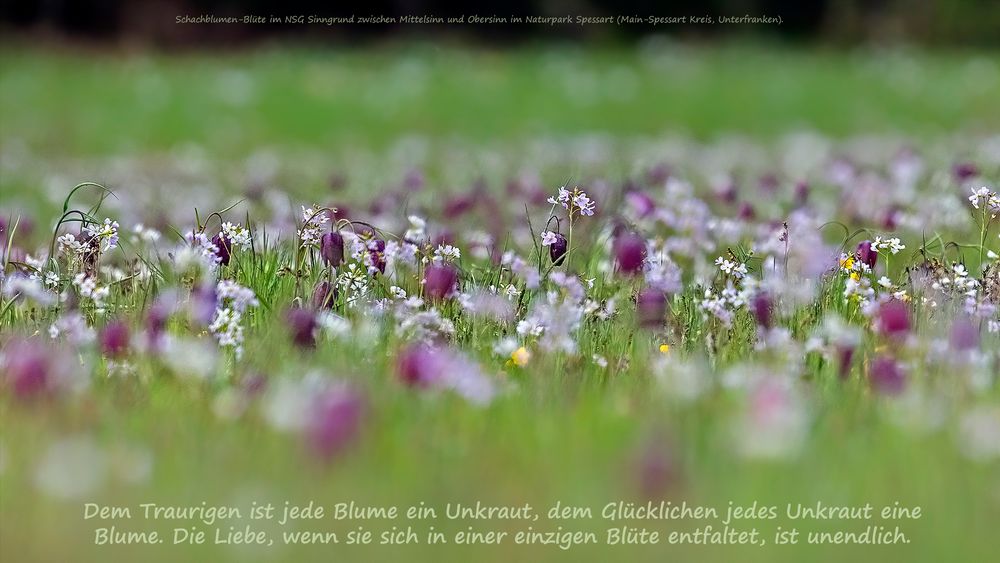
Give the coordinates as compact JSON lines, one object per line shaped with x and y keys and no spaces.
{"x":549,"y":238}
{"x":312,"y":229}
{"x":885,"y":282}
{"x":446,"y":253}
{"x":987,"y":197}
{"x":106,"y":233}
{"x":238,"y":235}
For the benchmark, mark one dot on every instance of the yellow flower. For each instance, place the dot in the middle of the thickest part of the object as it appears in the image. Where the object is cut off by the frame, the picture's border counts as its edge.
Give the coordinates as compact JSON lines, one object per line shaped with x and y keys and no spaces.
{"x":855,"y":276}
{"x":520,"y":357}
{"x":664,"y":348}
{"x":847,"y":263}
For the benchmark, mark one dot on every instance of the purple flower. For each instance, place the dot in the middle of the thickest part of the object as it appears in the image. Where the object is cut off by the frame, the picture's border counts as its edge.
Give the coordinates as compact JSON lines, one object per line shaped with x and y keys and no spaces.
{"x":965,"y":170}
{"x":866,"y":254}
{"x":761,"y":306}
{"x":114,"y":339}
{"x":747,"y":212}
{"x":651,"y":308}
{"x":335,"y":421}
{"x":885,"y":376}
{"x":418,"y":365}
{"x":845,"y":354}
{"x":324,"y":295}
{"x":376,"y":251}
{"x":801,"y":193}
{"x":630,"y":253}
{"x":302,"y":325}
{"x":557,"y":249}
{"x":223,"y":247}
{"x":893,"y":318}
{"x":331,"y":248}
{"x":640,"y":203}
{"x":27,"y":368}
{"x":964,"y":335}
{"x":440,"y":281}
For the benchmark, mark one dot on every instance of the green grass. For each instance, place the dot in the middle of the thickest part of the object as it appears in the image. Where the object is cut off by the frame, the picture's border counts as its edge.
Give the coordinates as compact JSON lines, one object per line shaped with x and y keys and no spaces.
{"x":76,"y":103}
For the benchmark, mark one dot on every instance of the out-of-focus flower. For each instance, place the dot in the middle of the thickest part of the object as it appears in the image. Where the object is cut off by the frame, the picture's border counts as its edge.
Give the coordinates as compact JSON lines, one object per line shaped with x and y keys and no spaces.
{"x":762,"y":306}
{"x":651,"y":308}
{"x":114,"y":339}
{"x":630,"y":253}
{"x":324,"y":295}
{"x":334,"y":420}
{"x":886,"y":376}
{"x":302,"y":326}
{"x":440,"y":281}
{"x":866,"y":254}
{"x":893,"y":318}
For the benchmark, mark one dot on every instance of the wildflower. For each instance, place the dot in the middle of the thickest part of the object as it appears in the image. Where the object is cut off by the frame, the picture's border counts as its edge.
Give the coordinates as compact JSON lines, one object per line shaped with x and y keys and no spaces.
{"x":893,"y":245}
{"x":576,"y":201}
{"x":302,"y":325}
{"x":964,"y":335}
{"x":664,"y":349}
{"x":885,"y":376}
{"x":865,"y":253}
{"x":105,"y":235}
{"x":222,"y":248}
{"x":651,"y":308}
{"x":893,"y":318}
{"x":558,"y":246}
{"x":145,"y":234}
{"x":446,"y":253}
{"x":417,"y":365}
{"x":520,"y":357}
{"x":114,"y":339}
{"x":761,"y":306}
{"x":313,"y":220}
{"x":334,"y":420}
{"x":87,"y":288}
{"x":440,"y":281}
{"x":987,"y":198}
{"x":331,"y":249}
{"x":324,"y":295}
{"x":232,"y":300}
{"x":630,"y":253}
{"x":734,"y":269}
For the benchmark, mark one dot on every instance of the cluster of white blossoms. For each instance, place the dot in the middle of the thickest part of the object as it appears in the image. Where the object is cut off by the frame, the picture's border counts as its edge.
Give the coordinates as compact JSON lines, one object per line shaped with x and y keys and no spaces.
{"x":238,"y":235}
{"x":145,"y":234}
{"x":226,"y":326}
{"x":893,"y":245}
{"x":106,"y":234}
{"x":731,"y":268}
{"x":87,"y":287}
{"x":446,"y":253}
{"x":556,"y":319}
{"x":576,"y":201}
{"x":203,"y":248}
{"x":725,"y":304}
{"x":986,"y":198}
{"x":312,"y":228}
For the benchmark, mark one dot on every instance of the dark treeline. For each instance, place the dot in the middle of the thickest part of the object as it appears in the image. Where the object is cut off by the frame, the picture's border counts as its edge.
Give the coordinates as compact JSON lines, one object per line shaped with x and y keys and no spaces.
{"x":935,"y":22}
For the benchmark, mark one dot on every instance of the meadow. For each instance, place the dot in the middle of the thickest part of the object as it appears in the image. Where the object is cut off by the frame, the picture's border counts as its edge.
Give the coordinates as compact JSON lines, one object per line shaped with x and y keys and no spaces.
{"x":735,"y":277}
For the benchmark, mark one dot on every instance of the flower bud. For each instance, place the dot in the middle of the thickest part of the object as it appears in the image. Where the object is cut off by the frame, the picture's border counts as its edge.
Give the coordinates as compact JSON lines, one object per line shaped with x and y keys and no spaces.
{"x":866,"y":254}
{"x":557,"y":250}
{"x":335,"y":421}
{"x":761,"y":306}
{"x":324,"y":295}
{"x":302,"y":325}
{"x":418,"y":365}
{"x":440,"y":281}
{"x":331,"y":249}
{"x":222,"y":248}
{"x":630,"y":253}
